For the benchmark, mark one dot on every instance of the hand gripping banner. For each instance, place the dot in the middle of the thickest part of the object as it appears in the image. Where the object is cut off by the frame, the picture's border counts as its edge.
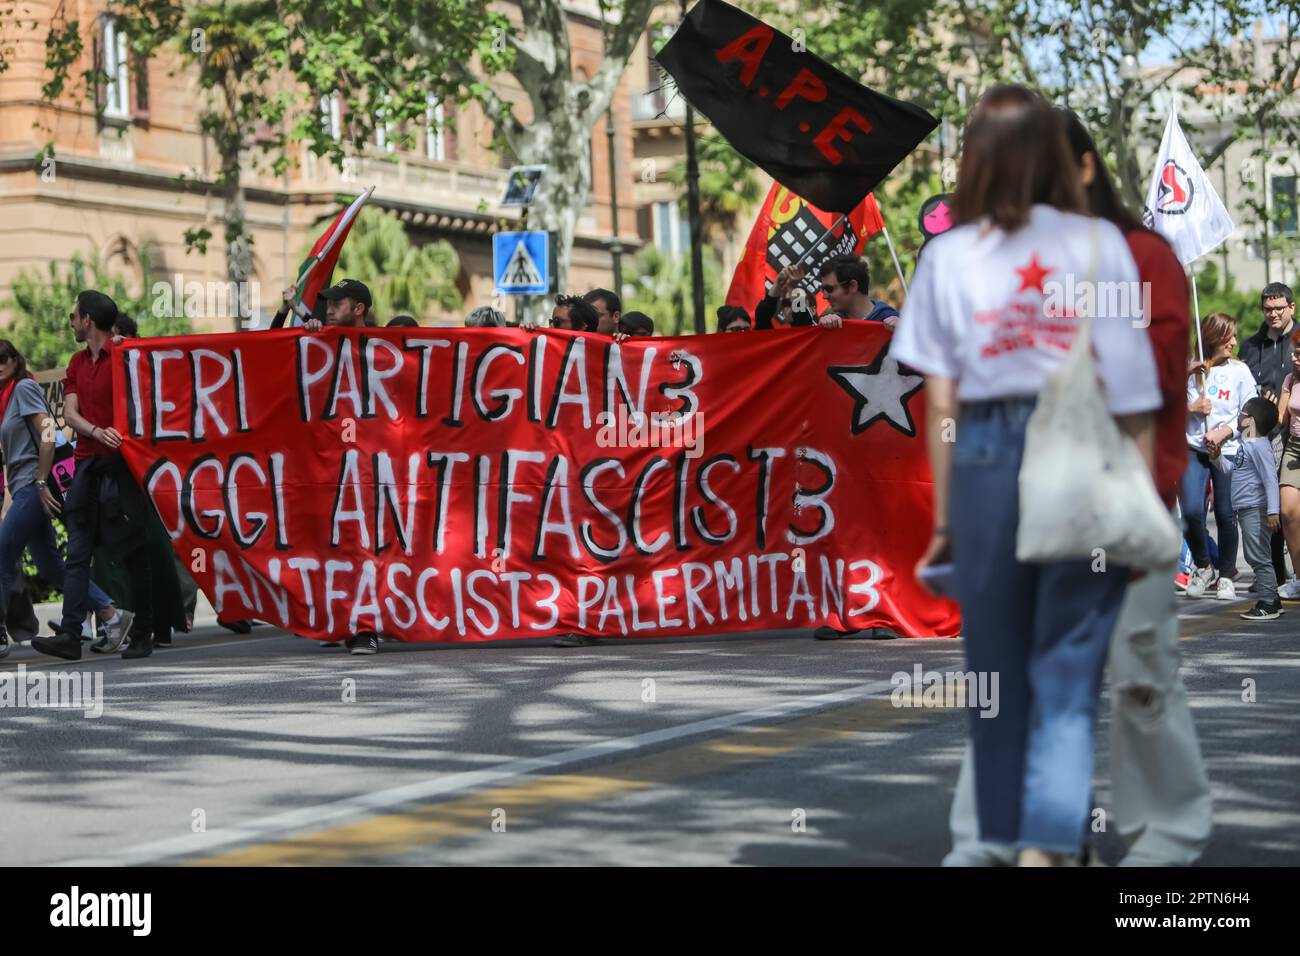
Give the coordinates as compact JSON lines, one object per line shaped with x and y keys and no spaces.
{"x":478,"y":484}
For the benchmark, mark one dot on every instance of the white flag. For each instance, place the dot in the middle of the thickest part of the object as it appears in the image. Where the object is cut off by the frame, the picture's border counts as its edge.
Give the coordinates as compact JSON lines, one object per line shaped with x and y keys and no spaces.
{"x":1181,"y":204}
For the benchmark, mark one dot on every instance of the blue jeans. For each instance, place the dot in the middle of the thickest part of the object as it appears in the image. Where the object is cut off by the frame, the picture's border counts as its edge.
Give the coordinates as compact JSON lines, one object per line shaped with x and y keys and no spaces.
{"x":1191,"y":499}
{"x":26,"y":525}
{"x":1043,"y":629}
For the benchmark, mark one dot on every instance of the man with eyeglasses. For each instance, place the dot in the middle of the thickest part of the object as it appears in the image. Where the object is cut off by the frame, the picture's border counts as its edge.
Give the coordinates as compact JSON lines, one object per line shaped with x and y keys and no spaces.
{"x":1267,"y":354}
{"x":845,"y":283}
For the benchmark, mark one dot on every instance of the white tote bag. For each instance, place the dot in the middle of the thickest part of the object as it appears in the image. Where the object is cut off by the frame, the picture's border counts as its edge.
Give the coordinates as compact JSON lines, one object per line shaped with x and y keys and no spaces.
{"x":1083,"y":483}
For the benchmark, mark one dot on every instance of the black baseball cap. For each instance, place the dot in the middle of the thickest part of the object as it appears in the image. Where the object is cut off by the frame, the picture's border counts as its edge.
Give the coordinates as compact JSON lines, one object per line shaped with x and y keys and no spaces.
{"x":348,"y":289}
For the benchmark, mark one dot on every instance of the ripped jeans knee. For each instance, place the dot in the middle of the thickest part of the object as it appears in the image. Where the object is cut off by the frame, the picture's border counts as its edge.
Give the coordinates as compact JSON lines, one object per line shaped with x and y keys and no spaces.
{"x":1143,"y":677}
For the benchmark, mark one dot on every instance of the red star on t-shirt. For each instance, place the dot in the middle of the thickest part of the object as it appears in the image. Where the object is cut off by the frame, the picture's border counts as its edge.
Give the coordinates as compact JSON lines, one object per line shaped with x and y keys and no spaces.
{"x":1032,"y":275}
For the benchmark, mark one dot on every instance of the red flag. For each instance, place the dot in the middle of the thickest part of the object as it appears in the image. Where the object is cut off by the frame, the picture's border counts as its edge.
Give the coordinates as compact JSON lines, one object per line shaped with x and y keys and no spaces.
{"x":786,"y":228}
{"x":319,"y":266}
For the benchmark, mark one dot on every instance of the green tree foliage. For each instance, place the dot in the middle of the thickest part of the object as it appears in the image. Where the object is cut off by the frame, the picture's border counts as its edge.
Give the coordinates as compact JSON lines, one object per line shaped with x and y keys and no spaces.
{"x":729,"y":188}
{"x":403,"y":277}
{"x":659,"y":285}
{"x":1217,"y":296}
{"x":39,"y":304}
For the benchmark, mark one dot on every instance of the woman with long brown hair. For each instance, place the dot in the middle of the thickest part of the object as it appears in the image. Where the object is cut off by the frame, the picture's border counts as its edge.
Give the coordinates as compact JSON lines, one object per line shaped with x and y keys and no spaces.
{"x":27,"y":439}
{"x":986,"y":326}
{"x":1216,"y":392}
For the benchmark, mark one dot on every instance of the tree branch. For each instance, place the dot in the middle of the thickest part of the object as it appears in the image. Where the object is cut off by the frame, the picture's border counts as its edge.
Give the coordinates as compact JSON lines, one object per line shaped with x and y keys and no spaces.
{"x":622,"y":39}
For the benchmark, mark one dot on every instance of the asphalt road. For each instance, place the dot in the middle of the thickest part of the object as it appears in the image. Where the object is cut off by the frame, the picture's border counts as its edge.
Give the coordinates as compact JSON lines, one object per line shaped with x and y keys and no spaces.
{"x":764,"y":749}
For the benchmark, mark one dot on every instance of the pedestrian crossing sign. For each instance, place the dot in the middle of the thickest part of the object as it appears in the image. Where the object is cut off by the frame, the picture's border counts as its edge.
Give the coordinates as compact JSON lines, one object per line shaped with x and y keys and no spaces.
{"x":521,"y":263}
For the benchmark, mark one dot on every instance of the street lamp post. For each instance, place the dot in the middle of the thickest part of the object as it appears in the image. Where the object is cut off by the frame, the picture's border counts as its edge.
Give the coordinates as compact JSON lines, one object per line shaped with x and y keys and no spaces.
{"x":615,"y":243}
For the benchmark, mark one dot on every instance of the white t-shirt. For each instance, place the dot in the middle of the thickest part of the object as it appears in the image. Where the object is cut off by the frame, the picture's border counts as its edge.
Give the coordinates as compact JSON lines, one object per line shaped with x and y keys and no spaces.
{"x":1228,"y":387}
{"x":997,"y":311}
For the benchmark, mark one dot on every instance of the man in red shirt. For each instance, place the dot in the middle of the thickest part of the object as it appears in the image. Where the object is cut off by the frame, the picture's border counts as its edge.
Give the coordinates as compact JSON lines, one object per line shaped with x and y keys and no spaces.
{"x":104,"y":505}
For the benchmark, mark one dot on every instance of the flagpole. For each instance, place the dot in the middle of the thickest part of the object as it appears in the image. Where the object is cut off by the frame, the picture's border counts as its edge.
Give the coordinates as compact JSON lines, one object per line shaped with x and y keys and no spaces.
{"x":829,"y":229}
{"x":894,"y":255}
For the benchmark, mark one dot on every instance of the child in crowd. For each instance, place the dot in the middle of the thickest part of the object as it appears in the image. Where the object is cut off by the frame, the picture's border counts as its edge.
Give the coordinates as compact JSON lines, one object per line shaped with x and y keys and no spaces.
{"x":1255,"y":499}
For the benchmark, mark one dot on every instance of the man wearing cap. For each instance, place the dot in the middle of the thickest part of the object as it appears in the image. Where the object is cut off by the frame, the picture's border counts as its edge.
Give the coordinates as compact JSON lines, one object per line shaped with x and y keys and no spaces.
{"x":348,"y":305}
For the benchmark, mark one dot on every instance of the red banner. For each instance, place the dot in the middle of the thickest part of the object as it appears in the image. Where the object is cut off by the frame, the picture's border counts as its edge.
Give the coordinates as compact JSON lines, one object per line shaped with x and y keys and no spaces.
{"x":475,"y":484}
{"x":785,"y":229}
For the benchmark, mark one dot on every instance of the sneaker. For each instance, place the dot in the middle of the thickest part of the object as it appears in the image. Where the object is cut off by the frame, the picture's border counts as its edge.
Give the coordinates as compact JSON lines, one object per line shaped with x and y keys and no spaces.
{"x":1290,"y":591}
{"x":115,"y":632}
{"x":331,"y":644}
{"x":1263,"y":612}
{"x":1201,"y":580}
{"x":1226,"y":591}
{"x":163,"y":638}
{"x":363,"y":644}
{"x":5,"y":643}
{"x":1180,"y":583}
{"x":238,"y":627}
{"x":575,"y":640}
{"x":139,"y":646}
{"x":65,"y":646}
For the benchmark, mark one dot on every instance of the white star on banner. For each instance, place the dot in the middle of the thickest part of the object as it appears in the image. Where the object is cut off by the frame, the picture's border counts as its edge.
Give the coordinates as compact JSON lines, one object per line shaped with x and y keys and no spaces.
{"x":879,"y":391}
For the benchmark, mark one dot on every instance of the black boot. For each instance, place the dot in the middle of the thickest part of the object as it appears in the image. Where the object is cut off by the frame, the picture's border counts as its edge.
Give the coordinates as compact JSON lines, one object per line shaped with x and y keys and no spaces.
{"x":61,"y":645}
{"x":141,"y":646}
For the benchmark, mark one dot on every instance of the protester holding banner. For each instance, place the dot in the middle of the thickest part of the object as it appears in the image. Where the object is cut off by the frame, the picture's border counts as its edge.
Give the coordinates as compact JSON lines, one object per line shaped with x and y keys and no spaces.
{"x":609,"y":308}
{"x":104,"y":502}
{"x":1216,"y":393}
{"x":348,"y":304}
{"x":571,"y":313}
{"x":1044,"y":628}
{"x":27,"y":440}
{"x":1159,"y":789}
{"x":785,"y":305}
{"x":846,"y":285}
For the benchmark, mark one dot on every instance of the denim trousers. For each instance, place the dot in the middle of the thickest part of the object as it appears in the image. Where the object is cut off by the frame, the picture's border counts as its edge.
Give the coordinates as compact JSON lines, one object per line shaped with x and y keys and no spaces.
{"x":1043,"y":629}
{"x":26,"y":525}
{"x":104,"y":505}
{"x":1256,"y":543}
{"x":1191,"y":499}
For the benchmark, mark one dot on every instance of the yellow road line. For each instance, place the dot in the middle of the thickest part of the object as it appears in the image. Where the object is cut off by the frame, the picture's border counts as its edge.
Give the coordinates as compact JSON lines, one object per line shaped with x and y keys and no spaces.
{"x":393,"y":833}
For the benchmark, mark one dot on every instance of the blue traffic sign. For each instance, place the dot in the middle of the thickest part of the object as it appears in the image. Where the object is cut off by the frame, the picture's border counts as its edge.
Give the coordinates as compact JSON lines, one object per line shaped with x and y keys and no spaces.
{"x":521,"y":263}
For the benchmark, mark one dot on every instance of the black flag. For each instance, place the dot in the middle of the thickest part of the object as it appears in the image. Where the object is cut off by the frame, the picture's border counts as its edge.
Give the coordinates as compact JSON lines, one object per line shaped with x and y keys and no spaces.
{"x":821,"y":134}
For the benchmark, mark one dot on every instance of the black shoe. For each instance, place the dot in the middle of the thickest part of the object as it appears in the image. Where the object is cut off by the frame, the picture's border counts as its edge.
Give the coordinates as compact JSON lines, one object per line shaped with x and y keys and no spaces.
{"x":64,"y":646}
{"x":830,"y":634}
{"x":239,"y":627}
{"x":576,"y":640}
{"x":363,"y":644}
{"x":163,"y":638}
{"x":331,"y":645}
{"x":5,"y":643}
{"x":1263,"y":612}
{"x":140,"y":646}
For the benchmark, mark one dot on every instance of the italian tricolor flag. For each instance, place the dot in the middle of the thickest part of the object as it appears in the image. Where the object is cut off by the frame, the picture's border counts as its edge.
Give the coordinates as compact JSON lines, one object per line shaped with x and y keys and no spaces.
{"x":318,"y":268}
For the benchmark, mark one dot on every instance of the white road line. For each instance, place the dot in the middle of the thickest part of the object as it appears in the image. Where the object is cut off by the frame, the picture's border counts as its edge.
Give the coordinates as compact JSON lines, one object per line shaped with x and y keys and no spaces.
{"x":308,"y":819}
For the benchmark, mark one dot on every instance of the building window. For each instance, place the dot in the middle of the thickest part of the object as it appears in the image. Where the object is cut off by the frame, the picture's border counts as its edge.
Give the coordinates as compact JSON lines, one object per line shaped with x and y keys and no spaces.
{"x":435,"y":132}
{"x":672,"y":233}
{"x":117,"y":99}
{"x":1284,"y":206}
{"x":383,"y":128}
{"x":331,"y":114}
